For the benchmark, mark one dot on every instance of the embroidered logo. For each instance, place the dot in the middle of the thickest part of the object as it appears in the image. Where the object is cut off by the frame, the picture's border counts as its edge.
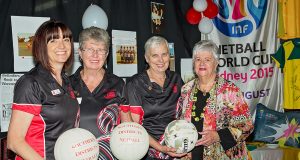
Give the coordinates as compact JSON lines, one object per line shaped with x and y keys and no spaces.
{"x":175,"y":89}
{"x":110,"y":94}
{"x":72,"y":94}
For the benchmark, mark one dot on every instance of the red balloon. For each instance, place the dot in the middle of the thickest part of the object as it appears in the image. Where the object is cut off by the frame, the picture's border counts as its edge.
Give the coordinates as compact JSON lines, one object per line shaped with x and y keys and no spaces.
{"x":192,"y":16}
{"x":211,"y":11}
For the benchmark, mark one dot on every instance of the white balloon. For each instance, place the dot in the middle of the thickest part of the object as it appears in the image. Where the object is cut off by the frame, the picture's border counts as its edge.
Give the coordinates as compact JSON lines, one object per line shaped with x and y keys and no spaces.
{"x":76,"y":144}
{"x":129,"y":141}
{"x":94,"y":16}
{"x":200,"y":5}
{"x":205,"y":25}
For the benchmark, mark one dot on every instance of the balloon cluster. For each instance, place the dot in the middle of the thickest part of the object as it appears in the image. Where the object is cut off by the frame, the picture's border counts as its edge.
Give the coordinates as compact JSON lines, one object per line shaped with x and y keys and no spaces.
{"x":94,"y":16}
{"x":201,"y":13}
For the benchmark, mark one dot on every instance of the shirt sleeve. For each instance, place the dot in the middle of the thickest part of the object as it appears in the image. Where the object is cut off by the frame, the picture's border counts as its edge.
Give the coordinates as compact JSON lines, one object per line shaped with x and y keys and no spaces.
{"x":240,"y":125}
{"x":27,"y":96}
{"x":179,"y":108}
{"x":123,"y":95}
{"x":131,"y":93}
{"x":183,"y":100}
{"x":134,"y":99}
{"x":227,"y":140}
{"x":179,"y":85}
{"x":278,"y":57}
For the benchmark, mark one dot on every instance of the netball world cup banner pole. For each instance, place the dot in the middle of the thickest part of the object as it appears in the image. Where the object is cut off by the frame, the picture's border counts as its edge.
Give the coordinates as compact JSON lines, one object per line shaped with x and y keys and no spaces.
{"x":245,"y":31}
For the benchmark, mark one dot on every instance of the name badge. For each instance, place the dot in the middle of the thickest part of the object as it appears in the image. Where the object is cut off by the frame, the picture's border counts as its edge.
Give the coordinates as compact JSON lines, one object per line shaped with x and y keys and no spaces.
{"x":55,"y":92}
{"x":79,"y":99}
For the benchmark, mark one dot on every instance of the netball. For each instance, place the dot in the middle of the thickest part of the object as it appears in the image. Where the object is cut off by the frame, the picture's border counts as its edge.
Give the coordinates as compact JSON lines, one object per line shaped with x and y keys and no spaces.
{"x":76,"y":144}
{"x":181,"y":135}
{"x":129,"y":141}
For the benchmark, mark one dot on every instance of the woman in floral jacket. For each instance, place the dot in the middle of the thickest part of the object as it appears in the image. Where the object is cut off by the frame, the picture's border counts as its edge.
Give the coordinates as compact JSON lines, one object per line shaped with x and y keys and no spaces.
{"x":216,"y":107}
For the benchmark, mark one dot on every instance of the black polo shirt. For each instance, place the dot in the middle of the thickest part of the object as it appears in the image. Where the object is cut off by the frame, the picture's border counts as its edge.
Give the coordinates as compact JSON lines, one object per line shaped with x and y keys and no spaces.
{"x":158,"y":104}
{"x":54,"y":107}
{"x":95,"y":116}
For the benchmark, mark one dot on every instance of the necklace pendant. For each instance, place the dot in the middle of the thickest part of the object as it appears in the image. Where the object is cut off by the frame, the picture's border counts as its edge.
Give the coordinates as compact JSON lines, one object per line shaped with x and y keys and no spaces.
{"x":193,"y":114}
{"x":194,"y":107}
{"x":204,"y":93}
{"x":194,"y":99}
{"x":202,"y":115}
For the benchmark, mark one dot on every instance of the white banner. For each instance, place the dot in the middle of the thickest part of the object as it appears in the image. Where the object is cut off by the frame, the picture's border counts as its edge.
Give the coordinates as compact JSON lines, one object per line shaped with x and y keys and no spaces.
{"x":246,"y":34}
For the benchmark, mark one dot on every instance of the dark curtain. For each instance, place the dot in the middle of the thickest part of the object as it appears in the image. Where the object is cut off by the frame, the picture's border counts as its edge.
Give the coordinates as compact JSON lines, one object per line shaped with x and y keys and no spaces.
{"x":128,"y":15}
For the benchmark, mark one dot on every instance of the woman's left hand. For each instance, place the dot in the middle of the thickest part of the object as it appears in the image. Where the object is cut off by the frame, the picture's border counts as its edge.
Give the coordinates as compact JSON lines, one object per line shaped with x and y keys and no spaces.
{"x":188,"y":156}
{"x":208,"y":138}
{"x":172,"y":152}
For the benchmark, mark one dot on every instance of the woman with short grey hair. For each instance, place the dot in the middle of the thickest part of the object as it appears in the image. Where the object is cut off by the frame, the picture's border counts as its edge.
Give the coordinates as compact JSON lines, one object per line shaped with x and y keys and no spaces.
{"x":100,"y":92}
{"x":97,"y":34}
{"x":206,"y":45}
{"x":152,"y":96}
{"x":216,"y":107}
{"x":155,"y":41}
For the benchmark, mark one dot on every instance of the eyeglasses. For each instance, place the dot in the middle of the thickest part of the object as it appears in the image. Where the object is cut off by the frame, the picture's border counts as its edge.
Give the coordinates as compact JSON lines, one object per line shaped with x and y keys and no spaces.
{"x":90,"y":51}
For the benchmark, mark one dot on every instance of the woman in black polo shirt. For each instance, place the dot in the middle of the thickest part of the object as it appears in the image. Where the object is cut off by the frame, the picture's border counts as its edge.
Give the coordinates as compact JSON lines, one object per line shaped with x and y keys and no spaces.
{"x":44,"y":104}
{"x":99,"y":91}
{"x":153,"y":95}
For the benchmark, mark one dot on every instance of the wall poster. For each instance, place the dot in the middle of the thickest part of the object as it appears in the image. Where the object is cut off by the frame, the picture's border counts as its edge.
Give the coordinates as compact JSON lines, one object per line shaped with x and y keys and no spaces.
{"x":124,"y":52}
{"x":23,"y":30}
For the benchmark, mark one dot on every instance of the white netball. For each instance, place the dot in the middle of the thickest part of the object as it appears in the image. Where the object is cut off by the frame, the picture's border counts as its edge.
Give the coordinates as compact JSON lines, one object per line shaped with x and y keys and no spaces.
{"x":129,"y":141}
{"x":76,"y":144}
{"x":181,"y":135}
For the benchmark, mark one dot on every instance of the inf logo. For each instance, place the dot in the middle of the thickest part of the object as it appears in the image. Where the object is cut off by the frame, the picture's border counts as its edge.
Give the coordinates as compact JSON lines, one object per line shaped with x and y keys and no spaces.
{"x":237,"y":19}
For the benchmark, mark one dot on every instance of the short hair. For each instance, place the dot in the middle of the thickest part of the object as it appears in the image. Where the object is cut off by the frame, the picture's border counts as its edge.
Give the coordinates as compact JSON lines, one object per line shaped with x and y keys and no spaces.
{"x":94,"y":33}
{"x":206,"y":45}
{"x":154,"y":41}
{"x":47,"y":31}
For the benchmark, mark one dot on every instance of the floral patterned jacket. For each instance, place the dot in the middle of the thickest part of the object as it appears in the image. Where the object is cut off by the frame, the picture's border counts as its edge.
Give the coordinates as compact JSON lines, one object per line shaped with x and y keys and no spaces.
{"x":226,"y":108}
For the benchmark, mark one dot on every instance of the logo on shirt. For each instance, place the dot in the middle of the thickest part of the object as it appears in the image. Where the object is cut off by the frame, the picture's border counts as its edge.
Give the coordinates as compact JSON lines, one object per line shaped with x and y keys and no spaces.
{"x":175,"y":89}
{"x":110,"y":94}
{"x":72,"y":94}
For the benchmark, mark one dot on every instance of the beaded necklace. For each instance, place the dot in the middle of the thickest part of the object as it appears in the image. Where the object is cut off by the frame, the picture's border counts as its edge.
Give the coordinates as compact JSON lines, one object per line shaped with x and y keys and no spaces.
{"x":201,"y":115}
{"x":196,"y":118}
